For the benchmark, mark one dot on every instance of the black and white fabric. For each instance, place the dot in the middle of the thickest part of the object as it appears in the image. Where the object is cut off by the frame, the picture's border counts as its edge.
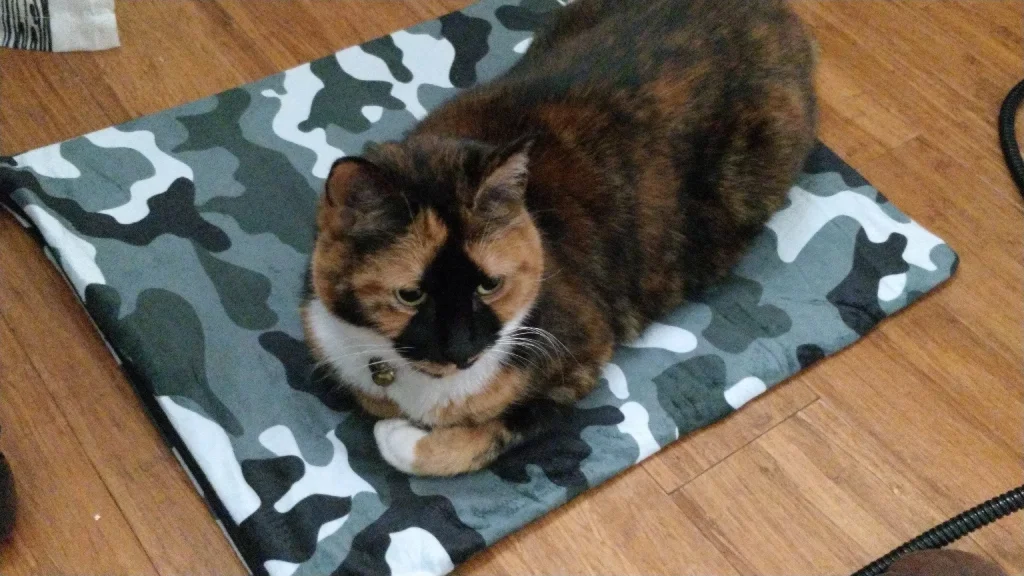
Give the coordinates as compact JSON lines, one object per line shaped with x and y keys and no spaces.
{"x":58,"y":25}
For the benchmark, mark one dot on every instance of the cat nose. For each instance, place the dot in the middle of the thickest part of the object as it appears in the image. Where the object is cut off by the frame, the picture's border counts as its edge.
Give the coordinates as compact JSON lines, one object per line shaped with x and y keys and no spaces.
{"x":462,"y":358}
{"x":461,"y":350}
{"x":467,"y":363}
{"x":461,"y":353}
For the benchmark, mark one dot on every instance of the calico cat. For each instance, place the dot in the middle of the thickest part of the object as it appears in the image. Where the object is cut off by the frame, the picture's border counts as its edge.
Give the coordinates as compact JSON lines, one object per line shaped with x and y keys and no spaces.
{"x":485,"y":266}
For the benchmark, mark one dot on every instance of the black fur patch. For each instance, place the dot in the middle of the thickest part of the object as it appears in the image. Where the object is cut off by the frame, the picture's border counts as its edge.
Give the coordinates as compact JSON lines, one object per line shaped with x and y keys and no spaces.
{"x":453,"y":324}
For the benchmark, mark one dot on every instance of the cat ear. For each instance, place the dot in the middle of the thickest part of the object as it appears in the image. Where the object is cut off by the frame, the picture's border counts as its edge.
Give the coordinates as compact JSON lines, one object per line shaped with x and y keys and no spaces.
{"x":502,"y":192}
{"x":360,"y":193}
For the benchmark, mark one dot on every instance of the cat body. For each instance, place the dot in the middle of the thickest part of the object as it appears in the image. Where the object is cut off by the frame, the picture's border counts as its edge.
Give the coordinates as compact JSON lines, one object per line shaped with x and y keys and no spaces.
{"x":473,"y":277}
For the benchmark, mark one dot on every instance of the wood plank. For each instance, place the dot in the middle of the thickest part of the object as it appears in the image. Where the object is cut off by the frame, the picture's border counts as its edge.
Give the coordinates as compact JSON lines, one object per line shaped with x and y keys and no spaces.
{"x":107,"y":419}
{"x":815,"y":495}
{"x":885,"y":390}
{"x":626,"y":526}
{"x":867,"y":131}
{"x":690,"y":456}
{"x":910,"y":62}
{"x":67,"y":520}
{"x":979,"y":223}
{"x":975,"y":377}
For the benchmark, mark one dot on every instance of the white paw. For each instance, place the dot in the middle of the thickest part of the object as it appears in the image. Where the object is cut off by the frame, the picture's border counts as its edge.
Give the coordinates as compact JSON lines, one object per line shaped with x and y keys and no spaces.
{"x":396,"y":440}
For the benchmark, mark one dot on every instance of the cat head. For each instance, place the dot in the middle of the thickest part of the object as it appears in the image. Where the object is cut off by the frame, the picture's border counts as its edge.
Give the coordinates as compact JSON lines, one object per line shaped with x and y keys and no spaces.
{"x":428,"y":243}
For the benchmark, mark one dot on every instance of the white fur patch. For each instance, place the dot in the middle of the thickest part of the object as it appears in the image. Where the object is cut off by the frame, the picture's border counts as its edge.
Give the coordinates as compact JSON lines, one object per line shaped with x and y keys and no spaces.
{"x":349,"y":348}
{"x":396,"y":440}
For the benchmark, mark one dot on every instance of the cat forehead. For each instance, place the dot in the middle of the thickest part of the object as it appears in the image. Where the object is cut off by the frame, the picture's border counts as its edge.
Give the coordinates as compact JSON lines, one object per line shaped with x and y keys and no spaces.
{"x":431,"y":167}
{"x":438,"y":241}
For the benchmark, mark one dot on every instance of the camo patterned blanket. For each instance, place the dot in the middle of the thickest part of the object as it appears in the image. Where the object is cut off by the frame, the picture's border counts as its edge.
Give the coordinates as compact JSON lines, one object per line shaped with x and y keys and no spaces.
{"x":186,"y":235}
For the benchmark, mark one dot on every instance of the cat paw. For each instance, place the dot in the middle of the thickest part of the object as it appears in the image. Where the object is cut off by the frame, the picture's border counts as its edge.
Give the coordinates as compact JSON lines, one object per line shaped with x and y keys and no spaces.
{"x":396,"y":441}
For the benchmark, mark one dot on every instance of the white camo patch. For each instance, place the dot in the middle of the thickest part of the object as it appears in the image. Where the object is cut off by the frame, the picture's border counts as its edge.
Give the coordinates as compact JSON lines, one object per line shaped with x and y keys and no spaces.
{"x":166,"y":168}
{"x":300,"y":88}
{"x":428,"y":58}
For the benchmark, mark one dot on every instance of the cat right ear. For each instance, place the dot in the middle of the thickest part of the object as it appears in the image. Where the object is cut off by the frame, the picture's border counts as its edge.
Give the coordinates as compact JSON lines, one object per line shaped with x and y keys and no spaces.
{"x":502,"y":192}
{"x":359,"y":192}
{"x":349,"y":175}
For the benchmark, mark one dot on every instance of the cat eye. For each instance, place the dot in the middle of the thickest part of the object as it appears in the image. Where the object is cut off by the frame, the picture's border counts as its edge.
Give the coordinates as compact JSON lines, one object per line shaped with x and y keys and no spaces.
{"x":411,"y":297}
{"x":490,"y":286}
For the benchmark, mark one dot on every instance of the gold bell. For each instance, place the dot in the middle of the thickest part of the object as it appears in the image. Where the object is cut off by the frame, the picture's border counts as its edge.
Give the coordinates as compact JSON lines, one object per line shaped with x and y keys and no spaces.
{"x":381,"y":372}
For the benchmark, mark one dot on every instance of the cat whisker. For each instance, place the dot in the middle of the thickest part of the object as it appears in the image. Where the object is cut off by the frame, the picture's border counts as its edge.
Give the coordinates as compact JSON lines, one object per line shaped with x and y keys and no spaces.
{"x":540,"y":346}
{"x":550,"y":276}
{"x":354,"y":355}
{"x":519,"y":357}
{"x":365,"y":346}
{"x":368,"y":348}
{"x":534,"y":346}
{"x":549,"y":337}
{"x":529,"y":345}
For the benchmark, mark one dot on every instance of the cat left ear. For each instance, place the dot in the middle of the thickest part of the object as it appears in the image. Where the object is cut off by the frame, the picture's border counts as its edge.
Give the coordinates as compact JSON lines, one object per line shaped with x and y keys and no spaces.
{"x":504,"y":187}
{"x":359,"y":198}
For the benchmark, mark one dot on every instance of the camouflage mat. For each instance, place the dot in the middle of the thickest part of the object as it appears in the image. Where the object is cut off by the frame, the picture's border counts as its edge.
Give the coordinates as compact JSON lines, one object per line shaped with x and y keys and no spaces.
{"x":186,"y":234}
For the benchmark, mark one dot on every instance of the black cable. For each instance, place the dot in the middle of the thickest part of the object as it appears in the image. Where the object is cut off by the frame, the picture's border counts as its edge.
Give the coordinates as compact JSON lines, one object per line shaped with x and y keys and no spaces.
{"x":952,"y":530}
{"x":1003,"y":505}
{"x":1008,"y":136}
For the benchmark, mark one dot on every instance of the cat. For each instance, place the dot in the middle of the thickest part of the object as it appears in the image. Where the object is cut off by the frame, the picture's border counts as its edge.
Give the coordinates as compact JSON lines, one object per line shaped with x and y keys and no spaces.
{"x":483,"y":268}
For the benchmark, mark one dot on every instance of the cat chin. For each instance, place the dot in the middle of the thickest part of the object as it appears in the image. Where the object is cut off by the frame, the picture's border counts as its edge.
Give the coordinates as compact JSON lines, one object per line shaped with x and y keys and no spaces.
{"x":416,"y":393}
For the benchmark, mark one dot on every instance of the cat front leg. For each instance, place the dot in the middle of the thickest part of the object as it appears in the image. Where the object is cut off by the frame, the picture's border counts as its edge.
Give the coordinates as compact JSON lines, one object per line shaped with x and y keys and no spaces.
{"x":465,"y":436}
{"x":442,"y":451}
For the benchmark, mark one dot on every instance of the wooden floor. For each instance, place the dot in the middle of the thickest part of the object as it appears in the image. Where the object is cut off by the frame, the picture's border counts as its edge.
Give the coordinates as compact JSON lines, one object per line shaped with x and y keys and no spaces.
{"x":920,"y":420}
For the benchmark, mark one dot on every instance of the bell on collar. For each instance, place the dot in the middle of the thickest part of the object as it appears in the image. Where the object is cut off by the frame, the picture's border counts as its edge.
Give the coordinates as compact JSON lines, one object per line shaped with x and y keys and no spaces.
{"x":381,"y":372}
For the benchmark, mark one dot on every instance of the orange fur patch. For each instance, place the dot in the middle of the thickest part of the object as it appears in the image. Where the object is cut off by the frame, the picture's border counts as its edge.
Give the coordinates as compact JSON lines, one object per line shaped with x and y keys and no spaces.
{"x":400,"y":265}
{"x":330,"y":258}
{"x":514,"y":253}
{"x":460,"y":449}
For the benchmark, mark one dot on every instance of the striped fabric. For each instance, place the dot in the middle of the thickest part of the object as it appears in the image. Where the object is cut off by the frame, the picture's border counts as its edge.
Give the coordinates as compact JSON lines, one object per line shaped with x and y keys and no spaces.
{"x":26,"y":24}
{"x":58,"y":25}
